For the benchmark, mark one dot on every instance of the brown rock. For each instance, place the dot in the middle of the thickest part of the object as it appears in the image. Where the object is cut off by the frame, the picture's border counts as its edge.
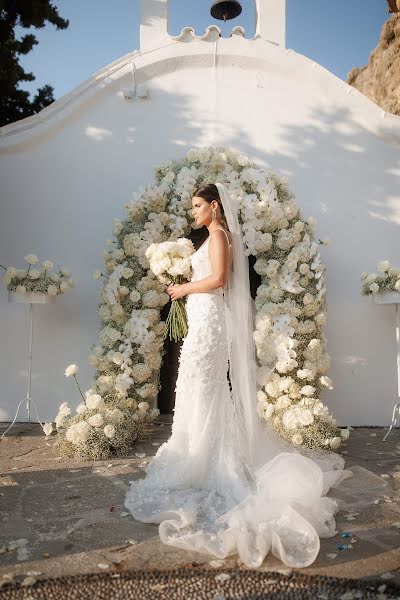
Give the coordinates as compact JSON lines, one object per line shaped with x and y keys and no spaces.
{"x":380,"y":78}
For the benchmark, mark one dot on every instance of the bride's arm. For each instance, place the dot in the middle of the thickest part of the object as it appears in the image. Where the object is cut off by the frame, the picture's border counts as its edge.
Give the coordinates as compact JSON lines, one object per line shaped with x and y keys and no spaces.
{"x":219,"y":259}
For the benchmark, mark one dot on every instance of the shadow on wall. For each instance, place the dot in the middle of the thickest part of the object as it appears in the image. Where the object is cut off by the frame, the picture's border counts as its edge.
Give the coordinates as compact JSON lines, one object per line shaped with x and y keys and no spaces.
{"x":339,"y":172}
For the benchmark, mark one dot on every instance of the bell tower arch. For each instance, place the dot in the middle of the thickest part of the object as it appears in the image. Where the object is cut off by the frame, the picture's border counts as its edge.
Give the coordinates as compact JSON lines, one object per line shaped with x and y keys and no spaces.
{"x":270,"y":22}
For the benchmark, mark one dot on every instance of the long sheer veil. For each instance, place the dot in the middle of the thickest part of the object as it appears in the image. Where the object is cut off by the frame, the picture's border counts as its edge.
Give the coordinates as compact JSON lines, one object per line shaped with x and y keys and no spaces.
{"x":257,"y":443}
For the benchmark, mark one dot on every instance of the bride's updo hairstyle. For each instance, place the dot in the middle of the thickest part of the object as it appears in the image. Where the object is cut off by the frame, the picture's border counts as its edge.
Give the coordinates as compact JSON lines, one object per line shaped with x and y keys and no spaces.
{"x":209,"y":192}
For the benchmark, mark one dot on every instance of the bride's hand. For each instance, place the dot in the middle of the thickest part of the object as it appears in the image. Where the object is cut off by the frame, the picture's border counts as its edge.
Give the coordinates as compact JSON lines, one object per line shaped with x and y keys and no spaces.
{"x":176,"y":290}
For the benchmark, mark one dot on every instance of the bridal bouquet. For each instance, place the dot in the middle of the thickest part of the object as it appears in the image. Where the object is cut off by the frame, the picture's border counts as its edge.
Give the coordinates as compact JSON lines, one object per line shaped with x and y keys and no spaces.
{"x":389,"y":281}
{"x":42,"y":280}
{"x":170,"y":262}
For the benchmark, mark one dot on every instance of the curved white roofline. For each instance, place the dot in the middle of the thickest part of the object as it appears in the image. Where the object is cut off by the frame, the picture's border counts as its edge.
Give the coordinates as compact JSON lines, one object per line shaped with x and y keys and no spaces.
{"x":176,"y":52}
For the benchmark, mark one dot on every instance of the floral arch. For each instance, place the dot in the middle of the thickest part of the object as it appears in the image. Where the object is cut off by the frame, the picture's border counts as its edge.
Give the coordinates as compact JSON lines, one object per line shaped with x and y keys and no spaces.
{"x":290,"y":306}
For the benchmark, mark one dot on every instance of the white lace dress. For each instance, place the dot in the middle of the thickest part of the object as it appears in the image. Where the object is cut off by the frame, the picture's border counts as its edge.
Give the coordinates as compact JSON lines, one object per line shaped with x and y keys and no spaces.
{"x":196,"y":486}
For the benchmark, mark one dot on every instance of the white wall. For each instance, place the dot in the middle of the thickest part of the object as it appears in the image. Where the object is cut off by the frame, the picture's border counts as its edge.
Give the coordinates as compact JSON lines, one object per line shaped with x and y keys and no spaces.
{"x":66,"y":173}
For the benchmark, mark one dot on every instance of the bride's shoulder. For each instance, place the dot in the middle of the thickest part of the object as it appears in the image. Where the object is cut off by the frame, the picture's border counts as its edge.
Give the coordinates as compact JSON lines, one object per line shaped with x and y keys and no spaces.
{"x":225,"y":231}
{"x":227,"y":234}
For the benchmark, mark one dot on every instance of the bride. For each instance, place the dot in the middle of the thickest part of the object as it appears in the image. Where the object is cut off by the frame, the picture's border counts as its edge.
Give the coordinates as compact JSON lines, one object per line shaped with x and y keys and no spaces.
{"x":223,"y":483}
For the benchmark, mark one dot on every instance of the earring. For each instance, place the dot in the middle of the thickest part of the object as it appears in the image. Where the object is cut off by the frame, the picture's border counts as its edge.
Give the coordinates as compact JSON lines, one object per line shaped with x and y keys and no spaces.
{"x":214,"y":214}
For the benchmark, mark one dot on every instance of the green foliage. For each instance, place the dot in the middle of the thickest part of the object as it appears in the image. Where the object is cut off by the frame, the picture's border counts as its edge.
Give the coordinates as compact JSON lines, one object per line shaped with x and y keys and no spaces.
{"x":16,"y":104}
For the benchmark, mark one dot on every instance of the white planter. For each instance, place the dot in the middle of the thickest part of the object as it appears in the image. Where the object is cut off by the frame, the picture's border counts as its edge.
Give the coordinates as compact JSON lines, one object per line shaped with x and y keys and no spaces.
{"x":31,"y":298}
{"x":387,"y":298}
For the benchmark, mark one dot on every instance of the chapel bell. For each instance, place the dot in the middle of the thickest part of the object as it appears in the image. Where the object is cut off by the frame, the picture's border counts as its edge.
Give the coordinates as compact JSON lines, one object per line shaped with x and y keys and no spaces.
{"x":225,"y":9}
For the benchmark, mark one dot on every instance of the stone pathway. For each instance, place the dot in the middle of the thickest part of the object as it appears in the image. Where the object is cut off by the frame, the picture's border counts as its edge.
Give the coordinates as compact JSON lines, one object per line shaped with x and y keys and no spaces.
{"x":59,"y":516}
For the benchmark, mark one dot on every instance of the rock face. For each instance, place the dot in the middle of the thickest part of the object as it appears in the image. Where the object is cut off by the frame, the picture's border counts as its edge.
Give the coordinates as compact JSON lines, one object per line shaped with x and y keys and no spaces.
{"x":380,"y":79}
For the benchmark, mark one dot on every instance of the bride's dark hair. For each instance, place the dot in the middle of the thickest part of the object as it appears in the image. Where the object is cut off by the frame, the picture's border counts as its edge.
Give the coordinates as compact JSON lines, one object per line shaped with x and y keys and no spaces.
{"x":209,"y":192}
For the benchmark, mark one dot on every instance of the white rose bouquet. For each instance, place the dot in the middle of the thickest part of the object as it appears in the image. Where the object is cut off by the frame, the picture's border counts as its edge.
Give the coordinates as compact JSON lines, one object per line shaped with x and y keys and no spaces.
{"x":43,"y":279}
{"x":388,"y":281}
{"x":170,"y":261}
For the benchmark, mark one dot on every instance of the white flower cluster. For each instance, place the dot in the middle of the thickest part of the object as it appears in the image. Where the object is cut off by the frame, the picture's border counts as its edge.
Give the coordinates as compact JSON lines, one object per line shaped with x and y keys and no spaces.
{"x":171,"y":259}
{"x":388,"y":281}
{"x":290,"y":301}
{"x":92,"y":415}
{"x":42,"y":279}
{"x":97,"y":425}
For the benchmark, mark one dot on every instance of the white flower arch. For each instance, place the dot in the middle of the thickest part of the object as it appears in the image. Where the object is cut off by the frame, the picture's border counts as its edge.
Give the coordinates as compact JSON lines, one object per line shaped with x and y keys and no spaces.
{"x":290,"y":300}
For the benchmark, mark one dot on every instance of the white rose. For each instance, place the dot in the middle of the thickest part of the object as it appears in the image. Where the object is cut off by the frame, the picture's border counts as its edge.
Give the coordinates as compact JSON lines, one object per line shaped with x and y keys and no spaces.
{"x":64,"y":287}
{"x":345,"y":433}
{"x":283,"y":402}
{"x":305,"y":416}
{"x":78,"y":432}
{"x":304,"y":374}
{"x":123,"y":290}
{"x":397,"y":285}
{"x":374,"y":287}
{"x":64,"y":409}
{"x":48,"y":428}
{"x":290,"y":420}
{"x":20,"y":289}
{"x":326,"y":381}
{"x":52,"y":290}
{"x":143,"y":406}
{"x":371,"y":278}
{"x":271,"y":271}
{"x":65,"y":272}
{"x":304,"y":268}
{"x":63,"y":412}
{"x":115,"y":416}
{"x":127,"y":273}
{"x":34,"y":274}
{"x":32,"y":259}
{"x":96,"y":420}
{"x":307,"y":298}
{"x":307,"y":390}
{"x":118,"y":254}
{"x":383,"y":266}
{"x":71,"y":370}
{"x":117,"y":358}
{"x":297,"y":439}
{"x":109,"y":431}
{"x":48,"y":265}
{"x":272,"y":389}
{"x":335,"y":443}
{"x":59,"y":421}
{"x":134,"y":296}
{"x":269,"y":409}
{"x":94,"y":402}
{"x":81,"y":408}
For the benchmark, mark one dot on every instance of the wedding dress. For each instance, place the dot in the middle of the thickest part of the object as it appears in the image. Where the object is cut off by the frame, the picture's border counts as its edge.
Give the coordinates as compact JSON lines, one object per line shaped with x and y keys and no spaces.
{"x":199,"y":486}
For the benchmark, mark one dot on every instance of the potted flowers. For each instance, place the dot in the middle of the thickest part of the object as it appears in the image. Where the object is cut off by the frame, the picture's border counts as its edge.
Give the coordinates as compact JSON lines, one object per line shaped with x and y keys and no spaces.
{"x":383,"y":286}
{"x":36,"y":285}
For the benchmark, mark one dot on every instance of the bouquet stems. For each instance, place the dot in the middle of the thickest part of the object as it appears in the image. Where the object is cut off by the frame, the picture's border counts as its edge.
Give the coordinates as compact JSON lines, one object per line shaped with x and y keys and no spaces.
{"x":176,"y":326}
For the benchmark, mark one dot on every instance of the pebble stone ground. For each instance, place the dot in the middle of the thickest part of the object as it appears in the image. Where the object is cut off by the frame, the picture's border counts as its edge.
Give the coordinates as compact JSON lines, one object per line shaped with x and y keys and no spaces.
{"x":64,"y":517}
